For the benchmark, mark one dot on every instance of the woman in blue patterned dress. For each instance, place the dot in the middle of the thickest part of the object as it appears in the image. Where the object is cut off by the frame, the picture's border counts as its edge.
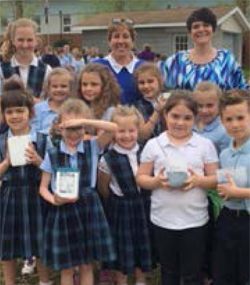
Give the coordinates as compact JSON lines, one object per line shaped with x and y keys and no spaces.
{"x":203,"y":62}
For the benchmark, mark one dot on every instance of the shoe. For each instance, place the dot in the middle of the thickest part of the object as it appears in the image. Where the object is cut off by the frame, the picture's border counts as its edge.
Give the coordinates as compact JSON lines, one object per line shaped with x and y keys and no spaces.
{"x":29,"y":266}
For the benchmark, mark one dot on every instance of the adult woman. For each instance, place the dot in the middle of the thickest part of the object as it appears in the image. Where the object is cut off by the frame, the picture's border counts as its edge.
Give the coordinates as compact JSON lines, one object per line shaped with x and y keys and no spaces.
{"x":203,"y":62}
{"x":121,"y":60}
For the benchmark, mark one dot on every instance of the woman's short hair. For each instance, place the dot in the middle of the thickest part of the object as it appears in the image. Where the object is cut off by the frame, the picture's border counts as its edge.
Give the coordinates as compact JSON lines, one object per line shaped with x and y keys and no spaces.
{"x":202,"y":15}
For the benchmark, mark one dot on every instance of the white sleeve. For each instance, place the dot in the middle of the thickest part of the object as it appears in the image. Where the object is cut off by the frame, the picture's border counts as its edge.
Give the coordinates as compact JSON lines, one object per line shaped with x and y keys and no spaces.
{"x":103,"y":166}
{"x":210,"y":154}
{"x":148,"y":153}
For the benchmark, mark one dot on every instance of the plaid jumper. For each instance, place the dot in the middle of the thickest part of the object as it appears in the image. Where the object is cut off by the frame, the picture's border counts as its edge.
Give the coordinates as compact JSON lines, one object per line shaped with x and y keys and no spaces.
{"x":21,"y":223}
{"x":76,"y":233}
{"x":127,"y":219}
{"x":147,"y":110}
{"x":35,"y":77}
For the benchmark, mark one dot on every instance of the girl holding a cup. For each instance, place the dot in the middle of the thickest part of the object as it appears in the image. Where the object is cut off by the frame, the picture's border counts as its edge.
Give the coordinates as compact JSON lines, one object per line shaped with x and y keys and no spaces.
{"x":179,"y":211}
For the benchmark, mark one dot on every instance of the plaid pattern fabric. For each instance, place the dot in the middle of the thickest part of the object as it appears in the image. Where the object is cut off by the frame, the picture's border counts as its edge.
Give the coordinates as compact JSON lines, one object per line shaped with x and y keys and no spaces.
{"x":147,"y":110}
{"x":76,"y":233}
{"x":21,"y":223}
{"x":127,"y":219}
{"x":35,"y":77}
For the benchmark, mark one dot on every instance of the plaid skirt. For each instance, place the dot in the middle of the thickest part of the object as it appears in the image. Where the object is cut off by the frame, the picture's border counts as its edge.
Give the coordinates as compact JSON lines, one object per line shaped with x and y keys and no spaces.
{"x":21,"y":223}
{"x":77,"y":234}
{"x":129,"y":227}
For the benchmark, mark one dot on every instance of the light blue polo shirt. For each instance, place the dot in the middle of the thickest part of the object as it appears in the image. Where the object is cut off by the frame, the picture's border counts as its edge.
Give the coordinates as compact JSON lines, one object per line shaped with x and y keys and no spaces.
{"x":240,"y":157}
{"x":95,"y":152}
{"x":216,"y":133}
{"x":44,"y":117}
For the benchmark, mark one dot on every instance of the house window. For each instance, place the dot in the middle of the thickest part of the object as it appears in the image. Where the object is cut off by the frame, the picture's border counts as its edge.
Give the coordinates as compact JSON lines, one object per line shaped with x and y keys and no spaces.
{"x":181,"y":42}
{"x":37,"y":19}
{"x":66,"y":23}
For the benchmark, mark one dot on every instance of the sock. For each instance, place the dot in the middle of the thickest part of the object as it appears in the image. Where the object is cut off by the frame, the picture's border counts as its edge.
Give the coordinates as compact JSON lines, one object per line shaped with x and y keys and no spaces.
{"x":45,"y":283}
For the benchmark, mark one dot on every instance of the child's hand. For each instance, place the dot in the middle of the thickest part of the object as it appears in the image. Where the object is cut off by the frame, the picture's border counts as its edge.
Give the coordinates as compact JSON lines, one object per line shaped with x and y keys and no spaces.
{"x":161,"y":180}
{"x":32,"y":156}
{"x":58,"y":201}
{"x":192,"y":181}
{"x":161,"y":104}
{"x":227,"y":190}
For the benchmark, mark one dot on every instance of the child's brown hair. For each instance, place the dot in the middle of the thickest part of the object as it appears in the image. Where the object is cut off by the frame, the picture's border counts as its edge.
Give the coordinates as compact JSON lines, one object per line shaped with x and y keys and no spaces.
{"x":110,"y":88}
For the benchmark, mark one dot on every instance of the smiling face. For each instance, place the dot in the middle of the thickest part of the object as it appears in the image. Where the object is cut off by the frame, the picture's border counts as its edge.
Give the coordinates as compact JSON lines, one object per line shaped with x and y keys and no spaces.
{"x":17,"y":118}
{"x":201,"y":33}
{"x":59,"y":88}
{"x":148,"y":85}
{"x":208,"y":105}
{"x":127,"y":134}
{"x":91,"y":86}
{"x":121,"y":42}
{"x":236,"y":120}
{"x":24,"y":41}
{"x":180,"y":121}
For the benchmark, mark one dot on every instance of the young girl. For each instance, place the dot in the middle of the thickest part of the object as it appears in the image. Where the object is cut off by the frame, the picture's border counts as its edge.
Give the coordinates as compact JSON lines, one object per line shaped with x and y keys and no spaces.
{"x":57,"y":88}
{"x":76,"y":231}
{"x":149,"y":83}
{"x":21,"y":219}
{"x":231,"y":263}
{"x":178,"y":166}
{"x":208,"y":124}
{"x":125,"y":208}
{"x":99,"y":90}
{"x":18,"y":52}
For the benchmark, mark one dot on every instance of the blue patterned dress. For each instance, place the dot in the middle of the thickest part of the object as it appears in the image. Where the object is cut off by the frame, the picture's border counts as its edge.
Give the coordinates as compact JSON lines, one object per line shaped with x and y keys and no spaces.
{"x":181,"y":73}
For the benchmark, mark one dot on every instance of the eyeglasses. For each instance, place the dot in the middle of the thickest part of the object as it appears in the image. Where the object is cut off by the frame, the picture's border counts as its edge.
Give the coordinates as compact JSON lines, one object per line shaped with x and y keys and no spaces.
{"x":127,"y":21}
{"x":74,"y":129}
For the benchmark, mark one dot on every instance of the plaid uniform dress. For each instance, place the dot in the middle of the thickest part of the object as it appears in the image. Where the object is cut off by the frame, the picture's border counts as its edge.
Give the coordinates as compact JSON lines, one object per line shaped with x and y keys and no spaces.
{"x":21,"y":223}
{"x":35,"y":77}
{"x":127,"y":219}
{"x":76,"y":233}
{"x":147,"y":110}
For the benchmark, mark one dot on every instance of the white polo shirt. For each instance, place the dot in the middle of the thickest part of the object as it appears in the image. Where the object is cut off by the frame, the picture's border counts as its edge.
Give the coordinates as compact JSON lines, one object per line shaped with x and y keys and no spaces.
{"x":177,"y":209}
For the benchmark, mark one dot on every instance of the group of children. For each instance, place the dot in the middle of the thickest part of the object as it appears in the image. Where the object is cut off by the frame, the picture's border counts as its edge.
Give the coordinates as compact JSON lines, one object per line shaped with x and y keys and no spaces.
{"x":102,"y":141}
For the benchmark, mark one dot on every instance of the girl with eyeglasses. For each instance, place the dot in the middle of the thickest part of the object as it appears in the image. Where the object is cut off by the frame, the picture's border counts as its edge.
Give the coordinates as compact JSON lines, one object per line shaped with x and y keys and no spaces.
{"x":76,"y":232}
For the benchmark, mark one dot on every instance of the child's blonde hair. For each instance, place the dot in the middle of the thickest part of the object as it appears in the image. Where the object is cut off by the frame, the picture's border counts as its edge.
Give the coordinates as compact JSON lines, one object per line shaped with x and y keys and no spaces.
{"x":152,"y":69}
{"x":124,"y":111}
{"x":110,"y":88}
{"x":74,"y":106}
{"x":7,"y":48}
{"x":205,"y":86}
{"x":58,"y":71}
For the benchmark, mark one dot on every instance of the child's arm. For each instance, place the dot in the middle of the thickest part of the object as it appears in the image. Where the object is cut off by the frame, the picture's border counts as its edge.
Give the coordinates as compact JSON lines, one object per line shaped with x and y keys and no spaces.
{"x":207,"y":182}
{"x":104,"y":138}
{"x":146,"y":181}
{"x":232,"y":190}
{"x":147,"y":128}
{"x":44,"y":192}
{"x":4,"y":165}
{"x":103,"y":183}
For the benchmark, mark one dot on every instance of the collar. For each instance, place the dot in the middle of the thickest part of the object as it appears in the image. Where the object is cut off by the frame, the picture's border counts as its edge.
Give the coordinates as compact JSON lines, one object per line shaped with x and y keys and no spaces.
{"x":245,"y":148}
{"x":15,"y":63}
{"x":121,"y":150}
{"x":164,"y":141}
{"x":210,"y":127}
{"x":117,"y":67}
{"x":79,"y":148}
{"x":32,"y":134}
